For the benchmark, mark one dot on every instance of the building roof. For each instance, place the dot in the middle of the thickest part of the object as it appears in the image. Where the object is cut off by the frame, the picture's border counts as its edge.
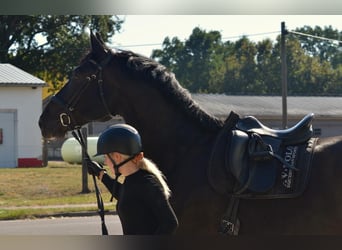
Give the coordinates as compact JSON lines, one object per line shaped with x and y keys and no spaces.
{"x":13,"y":76}
{"x":270,"y":106}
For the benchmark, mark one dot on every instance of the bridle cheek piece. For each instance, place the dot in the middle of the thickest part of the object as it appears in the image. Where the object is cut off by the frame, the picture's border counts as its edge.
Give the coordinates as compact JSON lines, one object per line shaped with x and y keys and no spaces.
{"x":67,"y":118}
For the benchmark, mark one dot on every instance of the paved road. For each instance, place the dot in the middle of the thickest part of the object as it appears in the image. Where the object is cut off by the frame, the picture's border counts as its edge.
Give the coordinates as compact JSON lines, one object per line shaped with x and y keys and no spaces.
{"x":88,"y":225}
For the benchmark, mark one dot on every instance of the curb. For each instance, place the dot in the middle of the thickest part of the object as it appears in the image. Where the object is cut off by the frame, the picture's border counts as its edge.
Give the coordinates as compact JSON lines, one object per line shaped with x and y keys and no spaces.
{"x":74,"y":214}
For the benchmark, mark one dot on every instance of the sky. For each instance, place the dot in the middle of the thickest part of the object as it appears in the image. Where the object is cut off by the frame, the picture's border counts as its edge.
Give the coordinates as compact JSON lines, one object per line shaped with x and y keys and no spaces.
{"x":143,"y":33}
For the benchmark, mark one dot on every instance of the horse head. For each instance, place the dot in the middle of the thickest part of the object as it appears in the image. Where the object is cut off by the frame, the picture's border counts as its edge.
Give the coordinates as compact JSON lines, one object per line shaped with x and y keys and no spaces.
{"x":74,"y":105}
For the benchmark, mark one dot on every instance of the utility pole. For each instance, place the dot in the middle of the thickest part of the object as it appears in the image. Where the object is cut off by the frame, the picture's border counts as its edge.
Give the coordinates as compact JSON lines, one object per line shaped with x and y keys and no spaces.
{"x":284,"y":32}
{"x":85,"y":188}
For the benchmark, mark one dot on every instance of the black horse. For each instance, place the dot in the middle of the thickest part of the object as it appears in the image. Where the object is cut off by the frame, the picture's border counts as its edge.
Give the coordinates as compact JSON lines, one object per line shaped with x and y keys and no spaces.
{"x":181,"y":138}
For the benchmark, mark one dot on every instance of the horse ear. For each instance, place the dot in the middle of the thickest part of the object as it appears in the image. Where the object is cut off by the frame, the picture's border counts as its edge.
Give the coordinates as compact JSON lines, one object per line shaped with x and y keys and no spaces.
{"x":97,"y":45}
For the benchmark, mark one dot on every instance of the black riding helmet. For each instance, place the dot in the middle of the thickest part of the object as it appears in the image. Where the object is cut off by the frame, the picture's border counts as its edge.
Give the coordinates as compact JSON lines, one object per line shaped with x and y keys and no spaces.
{"x":121,"y":138}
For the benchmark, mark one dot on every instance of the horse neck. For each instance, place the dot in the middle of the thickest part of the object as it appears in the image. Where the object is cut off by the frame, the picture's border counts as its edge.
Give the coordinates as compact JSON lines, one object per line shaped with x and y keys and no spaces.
{"x":160,"y":122}
{"x":168,"y":132}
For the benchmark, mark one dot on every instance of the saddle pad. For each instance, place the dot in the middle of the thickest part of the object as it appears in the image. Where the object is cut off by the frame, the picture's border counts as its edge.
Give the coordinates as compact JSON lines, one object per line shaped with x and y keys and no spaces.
{"x":218,"y":178}
{"x":263,"y":178}
{"x":289,"y":183}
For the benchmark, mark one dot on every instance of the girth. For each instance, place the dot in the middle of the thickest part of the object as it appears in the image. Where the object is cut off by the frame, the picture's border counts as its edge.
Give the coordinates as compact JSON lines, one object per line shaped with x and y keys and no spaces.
{"x":251,"y":161}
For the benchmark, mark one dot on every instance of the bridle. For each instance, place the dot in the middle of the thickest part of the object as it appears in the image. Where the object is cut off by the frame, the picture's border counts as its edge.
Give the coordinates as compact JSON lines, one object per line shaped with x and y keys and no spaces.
{"x":66,"y":118}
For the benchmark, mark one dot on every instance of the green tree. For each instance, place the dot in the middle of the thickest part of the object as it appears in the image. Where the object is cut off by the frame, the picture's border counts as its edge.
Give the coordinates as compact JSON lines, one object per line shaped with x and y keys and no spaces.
{"x":203,"y":50}
{"x":171,"y":55}
{"x":268,"y":68}
{"x":50,"y":46}
{"x":203,"y":63}
{"x":323,"y":61}
{"x":308,"y":74}
{"x":195,"y":61}
{"x":326,"y":50}
{"x":242,"y":68}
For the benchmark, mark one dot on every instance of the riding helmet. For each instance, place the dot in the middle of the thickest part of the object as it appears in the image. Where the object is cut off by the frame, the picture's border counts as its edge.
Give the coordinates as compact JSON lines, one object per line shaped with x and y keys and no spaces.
{"x":121,"y":138}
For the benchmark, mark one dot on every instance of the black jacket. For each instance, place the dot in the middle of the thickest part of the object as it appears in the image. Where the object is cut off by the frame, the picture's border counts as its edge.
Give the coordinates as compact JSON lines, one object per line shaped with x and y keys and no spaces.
{"x":141,"y":204}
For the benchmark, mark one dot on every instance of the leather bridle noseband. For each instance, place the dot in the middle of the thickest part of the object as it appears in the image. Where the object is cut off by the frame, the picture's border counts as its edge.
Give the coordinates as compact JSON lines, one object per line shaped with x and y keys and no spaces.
{"x":66,"y":118}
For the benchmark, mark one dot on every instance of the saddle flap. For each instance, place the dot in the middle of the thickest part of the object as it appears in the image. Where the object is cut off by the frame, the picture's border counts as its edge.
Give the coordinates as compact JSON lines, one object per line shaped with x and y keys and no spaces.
{"x":237,"y":157}
{"x":257,"y":174}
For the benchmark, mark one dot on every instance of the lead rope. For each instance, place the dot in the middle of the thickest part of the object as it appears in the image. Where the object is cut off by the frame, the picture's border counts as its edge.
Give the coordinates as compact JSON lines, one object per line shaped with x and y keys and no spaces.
{"x":78,"y":136}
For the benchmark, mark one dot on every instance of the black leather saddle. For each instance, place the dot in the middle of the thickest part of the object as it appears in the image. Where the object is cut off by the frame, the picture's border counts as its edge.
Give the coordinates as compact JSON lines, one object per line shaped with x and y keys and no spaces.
{"x":300,"y":132}
{"x":260,"y":161}
{"x":252,"y":161}
{"x":257,"y":155}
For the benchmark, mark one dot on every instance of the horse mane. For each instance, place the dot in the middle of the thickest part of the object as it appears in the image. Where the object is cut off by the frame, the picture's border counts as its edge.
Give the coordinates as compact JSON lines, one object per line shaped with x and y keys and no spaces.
{"x":157,"y":74}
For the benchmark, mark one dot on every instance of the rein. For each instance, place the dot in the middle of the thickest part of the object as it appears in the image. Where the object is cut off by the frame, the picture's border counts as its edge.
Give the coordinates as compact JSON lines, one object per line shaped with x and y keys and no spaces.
{"x":78,"y":136}
{"x":67,"y":120}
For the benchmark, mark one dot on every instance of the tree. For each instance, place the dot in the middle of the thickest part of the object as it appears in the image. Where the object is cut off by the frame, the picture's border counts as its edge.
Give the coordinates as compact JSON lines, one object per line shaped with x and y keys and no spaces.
{"x":50,"y":46}
{"x":241,"y":68}
{"x":323,"y":62}
{"x":326,"y":50}
{"x":195,"y":61}
{"x":203,"y":63}
{"x":268,"y":68}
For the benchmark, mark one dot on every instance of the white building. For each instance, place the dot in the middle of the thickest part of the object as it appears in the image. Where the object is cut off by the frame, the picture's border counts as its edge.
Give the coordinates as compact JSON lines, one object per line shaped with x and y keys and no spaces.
{"x":20,"y":108}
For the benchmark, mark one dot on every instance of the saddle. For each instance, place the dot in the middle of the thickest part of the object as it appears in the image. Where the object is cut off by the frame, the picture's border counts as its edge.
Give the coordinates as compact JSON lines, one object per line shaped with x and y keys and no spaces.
{"x":261,"y":158}
{"x":252,"y":161}
{"x":299,"y":133}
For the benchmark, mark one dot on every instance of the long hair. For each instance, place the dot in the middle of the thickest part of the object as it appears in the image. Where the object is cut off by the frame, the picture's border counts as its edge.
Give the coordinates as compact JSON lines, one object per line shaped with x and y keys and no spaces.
{"x":151,"y":167}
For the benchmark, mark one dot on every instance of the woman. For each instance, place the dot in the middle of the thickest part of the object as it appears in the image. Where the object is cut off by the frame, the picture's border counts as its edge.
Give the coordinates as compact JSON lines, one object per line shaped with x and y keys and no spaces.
{"x":143,"y":198}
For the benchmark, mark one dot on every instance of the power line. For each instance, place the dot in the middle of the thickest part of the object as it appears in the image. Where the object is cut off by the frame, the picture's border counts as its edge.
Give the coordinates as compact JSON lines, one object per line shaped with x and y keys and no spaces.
{"x":256,"y":34}
{"x":223,"y":38}
{"x":137,"y":45}
{"x":334,"y":41}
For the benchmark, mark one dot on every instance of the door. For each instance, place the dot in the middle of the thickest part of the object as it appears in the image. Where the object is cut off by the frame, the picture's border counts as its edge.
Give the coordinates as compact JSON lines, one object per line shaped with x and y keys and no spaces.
{"x":8,"y":145}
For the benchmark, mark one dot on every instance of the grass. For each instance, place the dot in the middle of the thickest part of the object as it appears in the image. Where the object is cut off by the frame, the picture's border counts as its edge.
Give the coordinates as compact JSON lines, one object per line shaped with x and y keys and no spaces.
{"x":24,"y":190}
